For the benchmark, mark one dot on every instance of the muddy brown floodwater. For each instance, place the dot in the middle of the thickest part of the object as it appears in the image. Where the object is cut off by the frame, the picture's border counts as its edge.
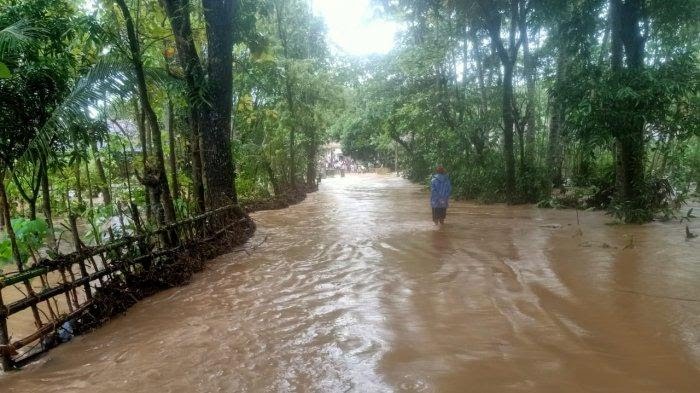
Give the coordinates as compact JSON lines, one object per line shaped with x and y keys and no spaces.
{"x":356,"y":290}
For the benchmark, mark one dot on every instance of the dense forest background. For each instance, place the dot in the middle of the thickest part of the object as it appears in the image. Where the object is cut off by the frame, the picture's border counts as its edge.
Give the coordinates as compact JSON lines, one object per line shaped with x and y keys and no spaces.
{"x":169,"y":108}
{"x":587,"y":103}
{"x":179,"y":106}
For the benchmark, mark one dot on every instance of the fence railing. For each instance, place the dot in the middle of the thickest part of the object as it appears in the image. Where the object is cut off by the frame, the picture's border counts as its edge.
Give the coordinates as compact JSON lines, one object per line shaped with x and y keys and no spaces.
{"x":38,"y":303}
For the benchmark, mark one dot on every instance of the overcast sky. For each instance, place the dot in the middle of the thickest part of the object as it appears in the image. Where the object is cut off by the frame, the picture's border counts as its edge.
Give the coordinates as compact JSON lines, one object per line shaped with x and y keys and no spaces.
{"x":354,"y":28}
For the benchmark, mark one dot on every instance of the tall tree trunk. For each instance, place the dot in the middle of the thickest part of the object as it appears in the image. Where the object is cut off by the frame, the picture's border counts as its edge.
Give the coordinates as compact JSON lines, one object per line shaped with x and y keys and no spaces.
{"x":273,"y":178}
{"x":197,"y":167}
{"x":160,"y":178}
{"x":508,"y":127}
{"x":170,"y":117}
{"x":626,"y":35}
{"x":529,"y":72}
{"x":88,"y":178}
{"x":311,"y":162}
{"x":104,"y":183}
{"x":554,"y":150}
{"x":178,"y":12}
{"x":219,"y":168}
{"x":556,"y":120}
{"x":280,"y":12}
{"x":7,"y":214}
{"x":141,"y":126}
{"x":507,"y":56}
{"x":32,"y":209}
{"x":78,"y":182}
{"x":210,"y":124}
{"x":163,"y":189}
{"x":46,"y":198}
{"x":479,"y":133}
{"x":520,"y":130}
{"x":127,"y":172}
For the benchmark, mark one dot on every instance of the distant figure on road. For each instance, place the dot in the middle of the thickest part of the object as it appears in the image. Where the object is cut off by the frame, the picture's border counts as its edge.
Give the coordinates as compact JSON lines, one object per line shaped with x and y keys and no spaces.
{"x":440,"y":190}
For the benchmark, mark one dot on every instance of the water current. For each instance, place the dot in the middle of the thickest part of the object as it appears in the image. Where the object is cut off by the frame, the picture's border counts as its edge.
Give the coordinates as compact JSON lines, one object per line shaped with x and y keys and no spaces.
{"x":355,"y":290}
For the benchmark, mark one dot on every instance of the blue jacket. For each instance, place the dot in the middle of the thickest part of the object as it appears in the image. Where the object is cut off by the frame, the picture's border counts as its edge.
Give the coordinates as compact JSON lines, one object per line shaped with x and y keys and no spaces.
{"x":440,"y":190}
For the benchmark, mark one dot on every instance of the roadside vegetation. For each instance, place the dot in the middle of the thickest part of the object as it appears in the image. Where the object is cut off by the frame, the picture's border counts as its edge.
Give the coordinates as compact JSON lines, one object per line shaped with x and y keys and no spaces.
{"x":167,"y":108}
{"x":586,"y":104}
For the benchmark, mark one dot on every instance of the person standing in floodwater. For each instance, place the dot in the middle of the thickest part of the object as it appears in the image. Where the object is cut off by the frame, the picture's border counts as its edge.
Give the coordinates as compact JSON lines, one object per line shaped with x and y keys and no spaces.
{"x":440,"y":190}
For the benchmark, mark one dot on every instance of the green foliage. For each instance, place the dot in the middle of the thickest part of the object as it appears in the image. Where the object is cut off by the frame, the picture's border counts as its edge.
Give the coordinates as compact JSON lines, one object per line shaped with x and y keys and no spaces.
{"x":30,"y":235}
{"x":5,"y":252}
{"x":286,"y":87}
{"x":4,"y":71}
{"x":438,"y":95}
{"x":182,"y":209}
{"x":606,"y":103}
{"x":95,"y":218}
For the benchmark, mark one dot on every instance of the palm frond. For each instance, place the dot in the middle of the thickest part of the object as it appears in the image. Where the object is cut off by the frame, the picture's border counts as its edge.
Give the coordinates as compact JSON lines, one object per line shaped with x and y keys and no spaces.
{"x":17,"y":36}
{"x":108,"y":77}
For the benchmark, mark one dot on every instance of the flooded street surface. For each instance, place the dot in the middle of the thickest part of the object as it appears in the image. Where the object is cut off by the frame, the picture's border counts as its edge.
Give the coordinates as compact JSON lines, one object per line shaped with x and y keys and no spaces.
{"x":356,"y":290}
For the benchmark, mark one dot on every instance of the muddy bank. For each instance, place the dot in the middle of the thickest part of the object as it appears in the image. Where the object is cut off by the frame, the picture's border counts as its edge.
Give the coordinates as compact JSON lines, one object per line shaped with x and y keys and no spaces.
{"x":277,"y":202}
{"x":355,"y":289}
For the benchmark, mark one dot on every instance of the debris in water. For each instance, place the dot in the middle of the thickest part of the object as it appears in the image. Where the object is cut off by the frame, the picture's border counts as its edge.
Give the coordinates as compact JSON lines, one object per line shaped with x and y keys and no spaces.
{"x":65,"y":332}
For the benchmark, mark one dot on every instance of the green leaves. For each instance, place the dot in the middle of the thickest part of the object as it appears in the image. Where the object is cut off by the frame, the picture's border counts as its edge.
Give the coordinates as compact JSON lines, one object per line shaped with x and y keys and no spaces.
{"x":602,"y":102}
{"x":30,"y":235}
{"x":109,"y":76}
{"x":16,"y":36}
{"x":30,"y":232}
{"x":4,"y":71}
{"x":38,"y":69}
{"x":5,"y":252}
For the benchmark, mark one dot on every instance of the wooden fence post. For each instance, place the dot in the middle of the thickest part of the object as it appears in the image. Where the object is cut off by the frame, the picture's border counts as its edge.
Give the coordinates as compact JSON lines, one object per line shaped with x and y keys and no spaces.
{"x":195,"y":231}
{"x":78,"y":249}
{"x":5,"y":357}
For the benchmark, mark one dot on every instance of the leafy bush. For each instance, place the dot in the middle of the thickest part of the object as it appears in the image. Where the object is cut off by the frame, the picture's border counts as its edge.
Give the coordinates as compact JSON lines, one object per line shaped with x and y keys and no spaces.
{"x":30,"y":235}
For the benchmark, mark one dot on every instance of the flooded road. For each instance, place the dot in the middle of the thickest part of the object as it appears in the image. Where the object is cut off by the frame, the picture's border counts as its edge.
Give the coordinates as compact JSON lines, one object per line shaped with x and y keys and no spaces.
{"x":356,"y":290}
